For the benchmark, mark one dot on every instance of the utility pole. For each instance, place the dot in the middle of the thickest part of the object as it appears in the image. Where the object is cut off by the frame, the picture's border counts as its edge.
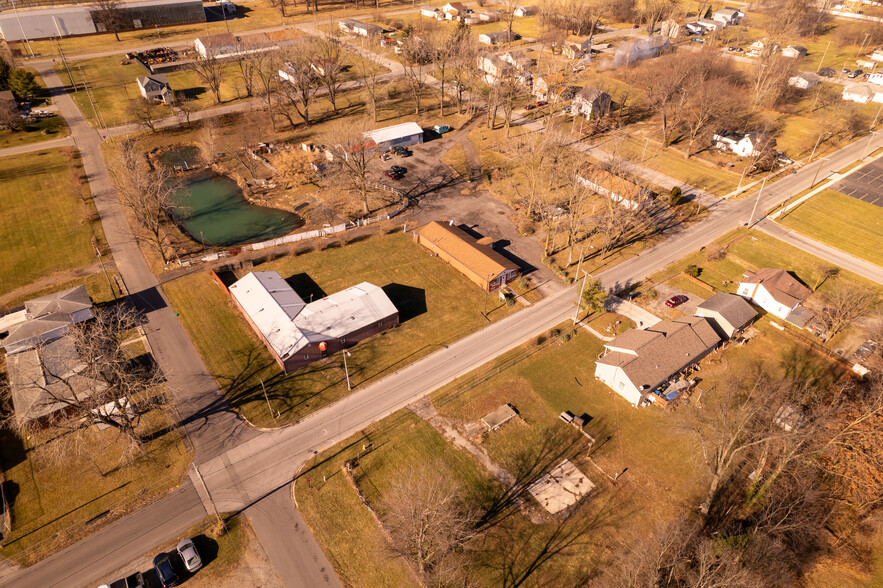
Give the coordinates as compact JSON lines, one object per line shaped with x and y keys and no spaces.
{"x":815,"y":177}
{"x":347,"y":370}
{"x":756,"y":202}
{"x":823,"y":56}
{"x":868,"y":146}
{"x":101,"y":263}
{"x":267,"y":398}
{"x":210,"y":499}
{"x":579,"y":299}
{"x":23,"y":34}
{"x":89,"y":94}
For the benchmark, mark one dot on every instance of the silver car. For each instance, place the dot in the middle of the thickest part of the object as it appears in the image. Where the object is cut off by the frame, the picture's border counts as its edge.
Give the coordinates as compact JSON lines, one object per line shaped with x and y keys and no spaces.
{"x":188,"y":553}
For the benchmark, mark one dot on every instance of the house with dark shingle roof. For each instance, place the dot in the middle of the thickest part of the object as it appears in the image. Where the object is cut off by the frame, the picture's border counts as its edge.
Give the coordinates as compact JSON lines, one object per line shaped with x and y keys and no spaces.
{"x":638,"y":361}
{"x":728,"y":313}
{"x":774,"y":290}
{"x":474,"y":258}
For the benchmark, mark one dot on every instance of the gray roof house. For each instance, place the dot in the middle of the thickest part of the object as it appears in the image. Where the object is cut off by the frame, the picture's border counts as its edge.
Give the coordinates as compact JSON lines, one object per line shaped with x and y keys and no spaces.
{"x":44,"y":319}
{"x":156,"y":87}
{"x":639,"y":360}
{"x":728,"y":313}
{"x":591,"y":102}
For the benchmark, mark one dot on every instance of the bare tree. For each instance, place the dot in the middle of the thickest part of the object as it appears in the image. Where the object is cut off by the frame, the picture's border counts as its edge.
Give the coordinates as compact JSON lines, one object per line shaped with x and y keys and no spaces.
{"x":711,"y":103}
{"x":109,"y":14}
{"x":532,"y":154}
{"x":653,"y":12}
{"x":147,"y":192}
{"x":790,"y":18}
{"x":842,"y":305}
{"x":463,"y":65}
{"x":10,"y":117}
{"x":429,"y":522}
{"x":329,"y":67}
{"x":146,"y":111}
{"x":299,"y":82}
{"x":667,"y":87}
{"x":769,"y":78}
{"x":293,"y":167}
{"x":369,"y":73}
{"x":416,"y":54}
{"x":88,"y":377}
{"x":352,"y":153}
{"x":210,"y":70}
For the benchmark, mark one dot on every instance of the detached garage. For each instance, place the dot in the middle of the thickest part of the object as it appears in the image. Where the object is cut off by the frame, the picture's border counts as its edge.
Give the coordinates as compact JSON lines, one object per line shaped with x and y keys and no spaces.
{"x":403,"y":135}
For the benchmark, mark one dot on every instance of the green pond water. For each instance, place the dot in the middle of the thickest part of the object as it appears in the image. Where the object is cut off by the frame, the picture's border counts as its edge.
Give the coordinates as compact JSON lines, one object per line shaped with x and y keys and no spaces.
{"x":216,"y":210}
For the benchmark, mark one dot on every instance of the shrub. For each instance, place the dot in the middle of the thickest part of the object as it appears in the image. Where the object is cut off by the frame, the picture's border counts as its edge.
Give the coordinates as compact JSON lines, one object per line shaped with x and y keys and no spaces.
{"x":510,"y":300}
{"x":693,"y":270}
{"x":716,"y":253}
{"x":676,"y":196}
{"x":651,"y":294}
{"x":523,"y":282}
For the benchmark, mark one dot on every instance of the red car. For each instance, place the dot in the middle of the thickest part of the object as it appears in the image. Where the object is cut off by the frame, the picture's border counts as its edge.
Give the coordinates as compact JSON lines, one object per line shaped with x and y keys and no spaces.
{"x":541,"y":103}
{"x":530,"y":107}
{"x":676,"y":301}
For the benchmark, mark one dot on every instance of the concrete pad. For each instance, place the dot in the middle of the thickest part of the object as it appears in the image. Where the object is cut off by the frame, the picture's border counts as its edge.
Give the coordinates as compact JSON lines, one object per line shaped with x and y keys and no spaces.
{"x":561,"y":487}
{"x":497,"y":418}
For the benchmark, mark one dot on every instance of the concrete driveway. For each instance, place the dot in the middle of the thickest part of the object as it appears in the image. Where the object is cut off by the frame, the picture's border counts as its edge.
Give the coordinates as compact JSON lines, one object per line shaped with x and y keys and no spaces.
{"x":666,"y":291}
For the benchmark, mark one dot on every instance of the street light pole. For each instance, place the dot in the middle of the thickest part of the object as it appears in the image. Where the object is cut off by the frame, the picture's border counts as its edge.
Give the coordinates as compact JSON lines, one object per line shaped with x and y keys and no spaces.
{"x":868,"y":146}
{"x":579,"y":300}
{"x":347,"y":370}
{"x":815,"y":177}
{"x":811,"y":155}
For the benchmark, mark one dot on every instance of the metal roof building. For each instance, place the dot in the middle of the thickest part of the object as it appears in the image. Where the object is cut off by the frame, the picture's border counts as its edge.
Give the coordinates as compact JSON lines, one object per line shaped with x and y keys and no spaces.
{"x":298,"y":333}
{"x":401,"y":135}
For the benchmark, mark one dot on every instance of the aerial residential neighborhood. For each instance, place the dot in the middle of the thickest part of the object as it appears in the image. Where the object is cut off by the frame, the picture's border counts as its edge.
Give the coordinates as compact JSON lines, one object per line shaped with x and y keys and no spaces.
{"x":575,"y":293}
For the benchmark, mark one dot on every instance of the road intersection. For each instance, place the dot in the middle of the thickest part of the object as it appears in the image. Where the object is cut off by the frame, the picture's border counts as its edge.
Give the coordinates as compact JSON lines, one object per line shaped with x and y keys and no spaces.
{"x":244,"y":469}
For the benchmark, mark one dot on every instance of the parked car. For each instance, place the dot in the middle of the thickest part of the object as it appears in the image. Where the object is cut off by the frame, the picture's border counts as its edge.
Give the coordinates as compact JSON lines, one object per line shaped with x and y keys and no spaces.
{"x":162,"y":563}
{"x":675,"y":301}
{"x":136,"y":580}
{"x":855,"y":74}
{"x":398,"y":169}
{"x":402,"y":152}
{"x":188,"y":553}
{"x":393,"y":175}
{"x":827,"y":72}
{"x":442,"y":129}
{"x":541,"y":103}
{"x":846,"y":70}
{"x":530,"y":107}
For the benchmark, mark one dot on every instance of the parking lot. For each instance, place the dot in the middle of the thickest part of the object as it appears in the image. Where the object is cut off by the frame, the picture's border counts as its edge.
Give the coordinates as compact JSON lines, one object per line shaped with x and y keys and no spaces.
{"x":864,"y":184}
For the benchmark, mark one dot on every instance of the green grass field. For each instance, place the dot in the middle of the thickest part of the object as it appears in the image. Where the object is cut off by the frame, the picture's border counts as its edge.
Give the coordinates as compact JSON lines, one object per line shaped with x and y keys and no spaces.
{"x":437,"y":305}
{"x":846,"y":223}
{"x":43,"y":129}
{"x":46,"y":217}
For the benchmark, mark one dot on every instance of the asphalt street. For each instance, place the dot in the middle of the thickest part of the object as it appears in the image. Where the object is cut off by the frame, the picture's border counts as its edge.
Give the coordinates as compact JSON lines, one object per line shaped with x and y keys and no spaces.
{"x":244,"y":469}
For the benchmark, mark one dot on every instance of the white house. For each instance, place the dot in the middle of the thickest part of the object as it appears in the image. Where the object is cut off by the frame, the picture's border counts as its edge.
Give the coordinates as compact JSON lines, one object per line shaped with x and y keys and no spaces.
{"x":401,"y":135}
{"x":877,"y":55}
{"x":618,"y":189}
{"x":868,"y":64}
{"x":519,"y":59}
{"x":863,"y":93}
{"x":525,"y":11}
{"x":156,"y":87}
{"x":292,"y":75}
{"x":590,"y":102}
{"x":454,"y":9}
{"x":774,"y":290}
{"x":488,"y":15}
{"x":875,"y":78}
{"x":493,"y":67}
{"x":670,"y":28}
{"x":794,"y":51}
{"x":431,"y":12}
{"x":744,"y":145}
{"x":44,"y":319}
{"x":219,"y":45}
{"x":367,"y":30}
{"x":638,"y":361}
{"x":728,"y":16}
{"x":804,"y":80}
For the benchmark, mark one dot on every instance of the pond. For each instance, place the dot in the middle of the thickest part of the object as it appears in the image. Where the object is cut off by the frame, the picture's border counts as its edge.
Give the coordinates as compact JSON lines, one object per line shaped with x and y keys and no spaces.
{"x":218,"y":213}
{"x":187,"y":156}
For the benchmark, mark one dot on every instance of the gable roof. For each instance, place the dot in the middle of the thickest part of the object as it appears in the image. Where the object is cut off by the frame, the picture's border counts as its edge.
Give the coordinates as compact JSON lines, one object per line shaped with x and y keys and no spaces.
{"x":649,"y":357}
{"x":459,"y":6}
{"x":219,"y":40}
{"x":394,"y":132}
{"x":161,"y":79}
{"x":782,"y":286}
{"x":288,"y":324}
{"x":463,"y":247}
{"x":730,"y":307}
{"x":39,"y":378}
{"x":590,"y":94}
{"x":48,"y":318}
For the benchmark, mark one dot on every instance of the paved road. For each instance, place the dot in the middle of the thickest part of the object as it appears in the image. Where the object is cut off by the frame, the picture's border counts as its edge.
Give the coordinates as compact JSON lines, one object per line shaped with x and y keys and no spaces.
{"x":835,"y":256}
{"x":31,"y":147}
{"x":242,"y":468}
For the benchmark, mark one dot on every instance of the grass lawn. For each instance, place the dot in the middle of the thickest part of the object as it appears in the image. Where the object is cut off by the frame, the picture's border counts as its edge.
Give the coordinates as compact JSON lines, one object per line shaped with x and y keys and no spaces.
{"x":42,"y":129}
{"x":113,"y":84}
{"x":540,"y":381}
{"x":456,"y":158}
{"x":749,"y":249}
{"x":53,"y":503}
{"x":437,"y":305}
{"x":47,"y":217}
{"x":846,"y":223}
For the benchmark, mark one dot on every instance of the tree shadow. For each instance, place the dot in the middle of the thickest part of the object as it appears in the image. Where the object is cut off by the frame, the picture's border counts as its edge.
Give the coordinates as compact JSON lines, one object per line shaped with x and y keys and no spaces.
{"x":409,"y":301}
{"x":206,"y":547}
